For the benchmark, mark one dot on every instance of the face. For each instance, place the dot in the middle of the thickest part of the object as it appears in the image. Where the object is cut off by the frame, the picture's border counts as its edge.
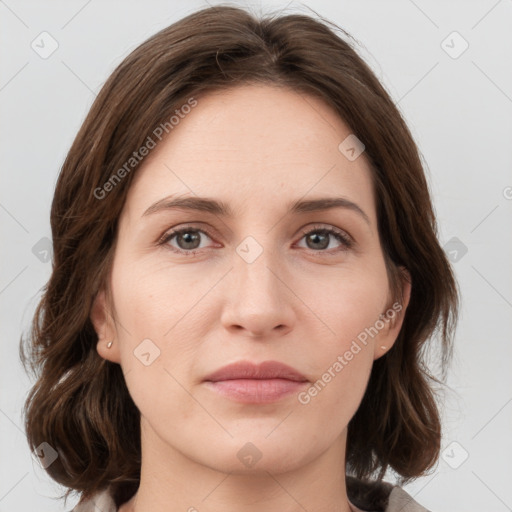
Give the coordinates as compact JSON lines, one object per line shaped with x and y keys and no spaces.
{"x":262,"y":281}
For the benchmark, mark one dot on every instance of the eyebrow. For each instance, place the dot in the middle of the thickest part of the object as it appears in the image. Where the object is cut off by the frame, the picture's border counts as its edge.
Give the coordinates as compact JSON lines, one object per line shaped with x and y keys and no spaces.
{"x":220,"y":208}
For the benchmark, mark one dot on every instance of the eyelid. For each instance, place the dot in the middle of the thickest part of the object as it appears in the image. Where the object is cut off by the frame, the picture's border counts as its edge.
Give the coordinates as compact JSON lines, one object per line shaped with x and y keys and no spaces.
{"x":347,"y":240}
{"x":168,"y":234}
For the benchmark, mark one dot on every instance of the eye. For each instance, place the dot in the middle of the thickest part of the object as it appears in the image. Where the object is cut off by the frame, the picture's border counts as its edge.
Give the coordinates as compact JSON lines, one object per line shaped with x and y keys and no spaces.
{"x":188,"y":240}
{"x":319,"y":238}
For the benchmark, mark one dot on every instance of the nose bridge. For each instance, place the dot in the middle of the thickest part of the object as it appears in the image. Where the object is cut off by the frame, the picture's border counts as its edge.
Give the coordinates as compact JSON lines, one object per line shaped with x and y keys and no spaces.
{"x":258,"y":298}
{"x":255,"y":266}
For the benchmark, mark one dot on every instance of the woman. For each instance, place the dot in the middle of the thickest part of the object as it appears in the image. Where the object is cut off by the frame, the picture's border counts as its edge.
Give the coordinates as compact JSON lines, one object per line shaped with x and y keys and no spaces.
{"x":246,"y":272}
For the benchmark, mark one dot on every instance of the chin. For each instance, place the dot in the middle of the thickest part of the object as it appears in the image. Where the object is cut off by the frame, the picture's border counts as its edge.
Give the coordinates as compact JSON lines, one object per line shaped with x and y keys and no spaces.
{"x":254,"y":454}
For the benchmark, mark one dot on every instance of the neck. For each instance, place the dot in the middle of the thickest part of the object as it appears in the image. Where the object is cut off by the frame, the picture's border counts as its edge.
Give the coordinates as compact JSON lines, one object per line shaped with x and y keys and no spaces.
{"x":172,"y":482}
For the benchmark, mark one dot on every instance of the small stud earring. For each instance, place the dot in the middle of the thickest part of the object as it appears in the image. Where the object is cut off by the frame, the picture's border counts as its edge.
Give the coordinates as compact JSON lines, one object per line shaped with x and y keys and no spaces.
{"x":109,"y":344}
{"x":383,"y":347}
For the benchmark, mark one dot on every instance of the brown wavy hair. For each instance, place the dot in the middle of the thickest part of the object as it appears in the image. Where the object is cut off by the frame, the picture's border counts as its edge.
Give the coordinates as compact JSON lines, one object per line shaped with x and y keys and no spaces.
{"x":80,"y":404}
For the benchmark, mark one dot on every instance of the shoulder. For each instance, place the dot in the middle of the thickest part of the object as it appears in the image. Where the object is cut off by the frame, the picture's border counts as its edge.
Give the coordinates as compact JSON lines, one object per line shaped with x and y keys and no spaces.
{"x":101,"y":501}
{"x":380,"y":496}
{"x":400,"y":500}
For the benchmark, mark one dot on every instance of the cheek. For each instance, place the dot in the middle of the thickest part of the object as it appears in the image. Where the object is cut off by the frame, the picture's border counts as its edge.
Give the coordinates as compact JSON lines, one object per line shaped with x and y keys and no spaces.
{"x":147,"y":301}
{"x":157,"y":340}
{"x":348,"y":303}
{"x":341,"y":360}
{"x":347,"y":312}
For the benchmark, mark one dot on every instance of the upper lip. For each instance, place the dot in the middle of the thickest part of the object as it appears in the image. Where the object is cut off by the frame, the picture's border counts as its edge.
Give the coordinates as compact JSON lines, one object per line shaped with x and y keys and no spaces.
{"x":264,"y":370}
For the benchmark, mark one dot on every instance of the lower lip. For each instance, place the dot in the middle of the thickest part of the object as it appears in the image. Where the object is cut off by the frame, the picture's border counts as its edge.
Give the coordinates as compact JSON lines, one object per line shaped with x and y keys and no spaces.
{"x":256,"y":391}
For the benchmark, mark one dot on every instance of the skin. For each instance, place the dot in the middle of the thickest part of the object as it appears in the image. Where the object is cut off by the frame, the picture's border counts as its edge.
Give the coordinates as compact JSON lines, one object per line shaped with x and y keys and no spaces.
{"x":256,"y":148}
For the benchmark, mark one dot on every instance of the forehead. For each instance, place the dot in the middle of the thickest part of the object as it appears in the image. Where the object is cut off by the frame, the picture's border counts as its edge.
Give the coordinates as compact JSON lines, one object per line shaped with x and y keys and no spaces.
{"x":253,"y":146}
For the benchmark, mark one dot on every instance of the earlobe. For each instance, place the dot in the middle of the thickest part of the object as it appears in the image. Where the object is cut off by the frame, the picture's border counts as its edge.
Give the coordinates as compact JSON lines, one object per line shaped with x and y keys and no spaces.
{"x":104,"y":326}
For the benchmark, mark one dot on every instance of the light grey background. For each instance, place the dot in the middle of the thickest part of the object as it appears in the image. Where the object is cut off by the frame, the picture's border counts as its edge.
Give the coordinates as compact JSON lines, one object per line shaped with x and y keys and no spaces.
{"x":459,"y":111}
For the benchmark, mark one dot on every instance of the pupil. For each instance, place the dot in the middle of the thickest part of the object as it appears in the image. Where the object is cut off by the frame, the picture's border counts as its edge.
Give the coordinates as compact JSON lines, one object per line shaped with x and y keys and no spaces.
{"x":316,"y":236}
{"x":189,"y":239}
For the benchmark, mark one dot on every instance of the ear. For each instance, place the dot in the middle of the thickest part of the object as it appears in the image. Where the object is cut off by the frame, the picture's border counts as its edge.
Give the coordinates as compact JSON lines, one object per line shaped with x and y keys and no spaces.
{"x":104,"y":326}
{"x":393,"y":318}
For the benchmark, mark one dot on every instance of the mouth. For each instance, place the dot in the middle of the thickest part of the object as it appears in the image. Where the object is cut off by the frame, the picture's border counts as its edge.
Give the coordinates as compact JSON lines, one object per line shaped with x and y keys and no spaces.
{"x":254,"y":391}
{"x":250,"y":383}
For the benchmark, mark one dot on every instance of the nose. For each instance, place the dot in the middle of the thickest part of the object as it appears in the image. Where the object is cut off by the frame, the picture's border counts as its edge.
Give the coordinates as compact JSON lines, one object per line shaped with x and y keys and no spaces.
{"x":259,"y":300}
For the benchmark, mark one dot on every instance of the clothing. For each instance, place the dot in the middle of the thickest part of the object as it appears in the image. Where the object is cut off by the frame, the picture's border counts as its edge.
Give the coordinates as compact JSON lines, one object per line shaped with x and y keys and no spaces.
{"x":363,"y":497}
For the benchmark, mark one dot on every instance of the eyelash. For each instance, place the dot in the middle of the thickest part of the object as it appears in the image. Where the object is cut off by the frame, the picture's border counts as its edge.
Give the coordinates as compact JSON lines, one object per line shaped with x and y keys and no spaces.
{"x":344,"y":239}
